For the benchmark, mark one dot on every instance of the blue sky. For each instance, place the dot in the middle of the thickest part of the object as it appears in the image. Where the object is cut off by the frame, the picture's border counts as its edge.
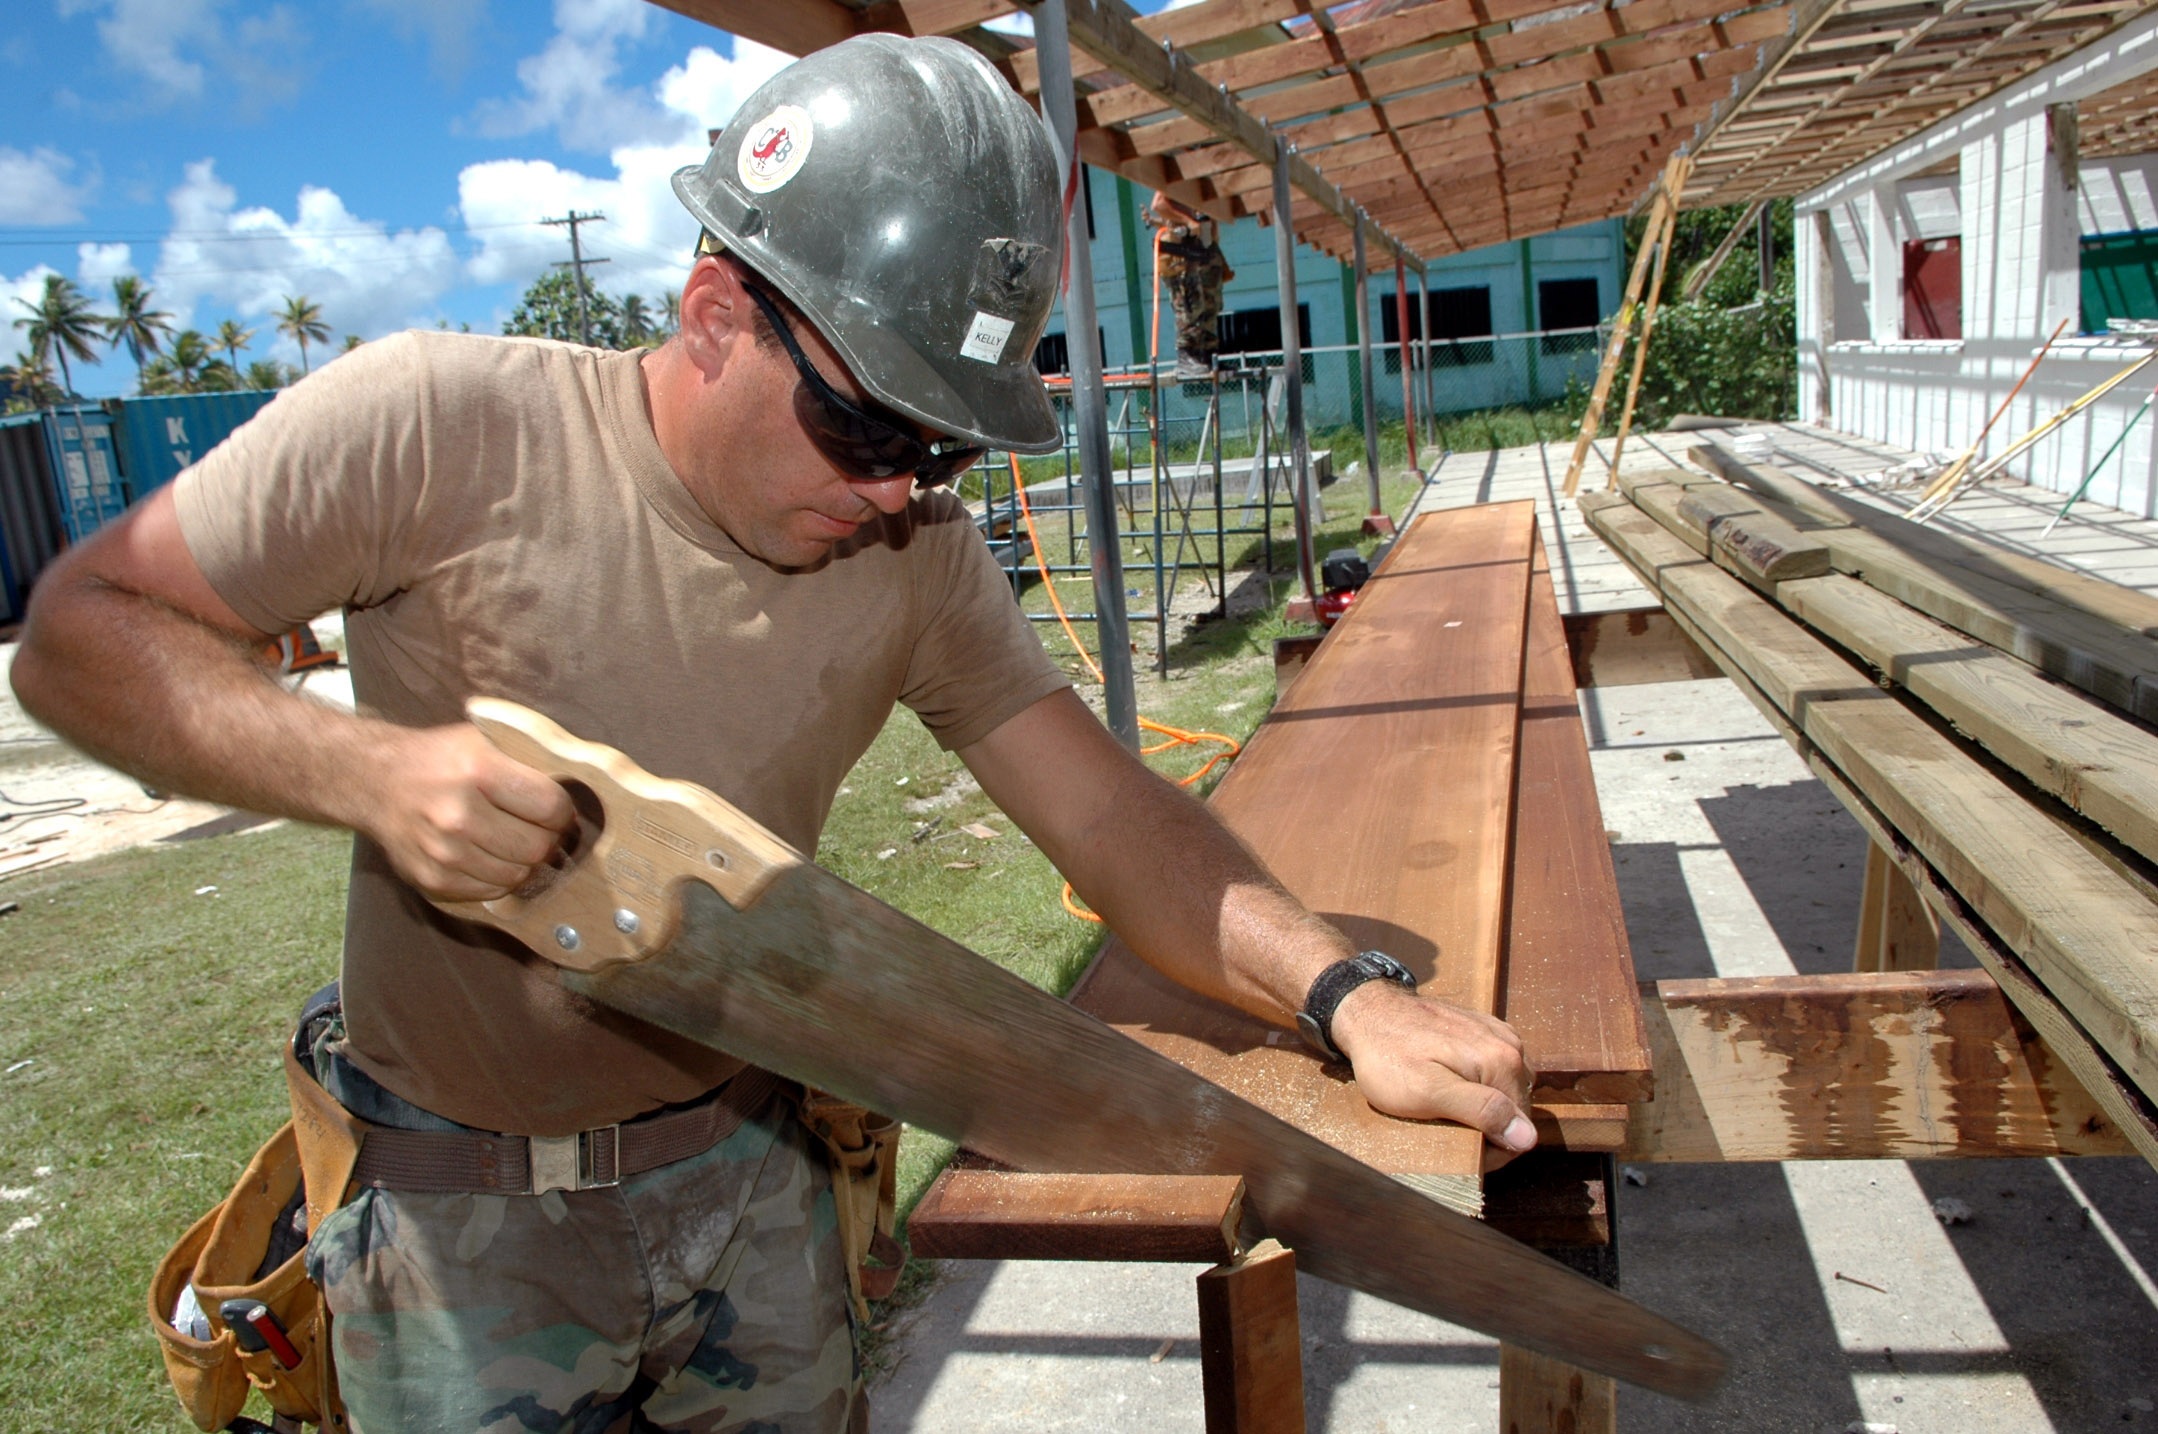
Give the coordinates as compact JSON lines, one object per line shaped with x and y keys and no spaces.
{"x":389,"y":159}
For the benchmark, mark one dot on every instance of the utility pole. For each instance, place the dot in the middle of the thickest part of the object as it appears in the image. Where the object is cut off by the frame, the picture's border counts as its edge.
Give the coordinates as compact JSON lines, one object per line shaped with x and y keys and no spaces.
{"x":577,"y":261}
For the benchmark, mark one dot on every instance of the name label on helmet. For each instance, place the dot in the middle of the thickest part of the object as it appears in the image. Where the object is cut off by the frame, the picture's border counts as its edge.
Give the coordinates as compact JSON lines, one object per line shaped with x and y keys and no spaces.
{"x":986,"y":337}
{"x":774,"y":148}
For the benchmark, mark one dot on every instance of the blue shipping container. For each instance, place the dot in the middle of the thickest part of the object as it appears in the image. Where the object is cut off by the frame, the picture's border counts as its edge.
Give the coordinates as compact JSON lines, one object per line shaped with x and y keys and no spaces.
{"x":31,"y":533}
{"x":160,"y":436}
{"x":85,"y":468}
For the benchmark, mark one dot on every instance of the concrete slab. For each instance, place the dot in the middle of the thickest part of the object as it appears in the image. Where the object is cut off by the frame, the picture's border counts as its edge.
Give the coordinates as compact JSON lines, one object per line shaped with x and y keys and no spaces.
{"x":1844,"y":1301}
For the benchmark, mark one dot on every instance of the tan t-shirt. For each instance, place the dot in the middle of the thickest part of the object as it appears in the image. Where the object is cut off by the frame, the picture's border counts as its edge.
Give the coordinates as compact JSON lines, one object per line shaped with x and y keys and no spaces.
{"x":495,"y":516}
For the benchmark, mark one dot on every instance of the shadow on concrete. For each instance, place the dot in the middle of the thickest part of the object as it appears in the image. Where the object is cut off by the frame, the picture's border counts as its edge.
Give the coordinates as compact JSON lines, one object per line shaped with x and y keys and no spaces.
{"x":2079,"y":1325}
{"x":1661,"y":925}
{"x":1716,"y":1248}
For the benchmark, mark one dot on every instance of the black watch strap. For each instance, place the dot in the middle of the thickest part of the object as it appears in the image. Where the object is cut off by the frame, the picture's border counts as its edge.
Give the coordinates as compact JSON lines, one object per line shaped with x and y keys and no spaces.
{"x":1316,"y":1021}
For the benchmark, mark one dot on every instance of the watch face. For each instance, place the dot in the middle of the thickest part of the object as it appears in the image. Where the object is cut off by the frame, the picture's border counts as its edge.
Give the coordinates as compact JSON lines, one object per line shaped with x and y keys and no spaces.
{"x":1315,"y":1037}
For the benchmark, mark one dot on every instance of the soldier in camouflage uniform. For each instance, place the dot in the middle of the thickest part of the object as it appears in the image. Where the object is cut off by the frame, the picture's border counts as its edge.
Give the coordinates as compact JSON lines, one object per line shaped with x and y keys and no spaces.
{"x":1194,"y":270}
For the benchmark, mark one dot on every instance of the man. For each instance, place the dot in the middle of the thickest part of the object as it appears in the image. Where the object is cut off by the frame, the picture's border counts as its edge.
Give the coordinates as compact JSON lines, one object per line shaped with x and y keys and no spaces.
{"x":715,"y":558}
{"x":1194,"y":269}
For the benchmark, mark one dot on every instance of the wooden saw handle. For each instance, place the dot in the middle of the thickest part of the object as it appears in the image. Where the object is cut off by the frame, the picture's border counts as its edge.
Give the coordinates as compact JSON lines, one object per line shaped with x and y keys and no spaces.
{"x":616,"y":900}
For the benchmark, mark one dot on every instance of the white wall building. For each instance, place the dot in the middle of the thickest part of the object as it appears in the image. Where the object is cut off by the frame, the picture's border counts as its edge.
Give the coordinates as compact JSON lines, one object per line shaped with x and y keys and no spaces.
{"x":1931,"y":274}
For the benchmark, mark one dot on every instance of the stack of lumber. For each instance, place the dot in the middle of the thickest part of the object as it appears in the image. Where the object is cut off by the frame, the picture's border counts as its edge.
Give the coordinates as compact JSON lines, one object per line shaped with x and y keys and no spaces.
{"x":1982,"y":714}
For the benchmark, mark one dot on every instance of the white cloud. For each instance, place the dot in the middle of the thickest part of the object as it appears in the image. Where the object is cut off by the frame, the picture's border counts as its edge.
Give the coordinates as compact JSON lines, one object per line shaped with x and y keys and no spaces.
{"x":97,"y":265}
{"x":1019,"y":22}
{"x":27,"y":290}
{"x":366,"y":279}
{"x":34,"y":188}
{"x":180,"y":46}
{"x":647,"y":236}
{"x":569,"y":86}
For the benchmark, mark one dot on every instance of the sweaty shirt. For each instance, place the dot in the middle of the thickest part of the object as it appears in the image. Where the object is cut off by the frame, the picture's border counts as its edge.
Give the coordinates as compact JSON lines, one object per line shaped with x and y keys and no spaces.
{"x":495,"y":517}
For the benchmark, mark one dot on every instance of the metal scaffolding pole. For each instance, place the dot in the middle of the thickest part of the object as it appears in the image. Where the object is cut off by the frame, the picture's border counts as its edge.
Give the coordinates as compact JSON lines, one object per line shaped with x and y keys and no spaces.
{"x":1090,"y":410}
{"x":1409,"y":415}
{"x":1375,"y":519}
{"x":1292,"y":368}
{"x":1431,"y":391}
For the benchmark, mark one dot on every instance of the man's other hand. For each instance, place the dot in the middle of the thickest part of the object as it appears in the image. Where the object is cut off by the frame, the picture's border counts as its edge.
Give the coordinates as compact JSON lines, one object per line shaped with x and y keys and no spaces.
{"x":1421,"y":1058}
{"x":460,"y":820}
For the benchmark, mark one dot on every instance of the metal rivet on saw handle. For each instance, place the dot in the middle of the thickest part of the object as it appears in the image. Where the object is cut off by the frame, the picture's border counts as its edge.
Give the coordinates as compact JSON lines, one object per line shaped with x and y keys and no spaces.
{"x":566,"y":937}
{"x":625,"y":921}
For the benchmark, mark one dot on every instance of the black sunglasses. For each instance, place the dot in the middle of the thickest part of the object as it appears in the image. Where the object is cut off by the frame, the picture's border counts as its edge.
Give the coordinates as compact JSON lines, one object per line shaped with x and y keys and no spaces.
{"x":867,"y":446}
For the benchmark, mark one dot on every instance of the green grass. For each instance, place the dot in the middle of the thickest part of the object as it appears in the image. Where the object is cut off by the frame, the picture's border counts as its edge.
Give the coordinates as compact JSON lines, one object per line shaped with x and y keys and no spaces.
{"x":150,"y":1017}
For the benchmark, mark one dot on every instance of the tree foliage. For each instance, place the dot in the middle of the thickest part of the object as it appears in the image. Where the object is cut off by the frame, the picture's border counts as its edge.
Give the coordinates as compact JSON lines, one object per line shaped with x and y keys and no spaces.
{"x":1733,"y":351}
{"x":301,"y":321}
{"x":61,"y":325}
{"x":134,"y":325}
{"x":548,"y":310}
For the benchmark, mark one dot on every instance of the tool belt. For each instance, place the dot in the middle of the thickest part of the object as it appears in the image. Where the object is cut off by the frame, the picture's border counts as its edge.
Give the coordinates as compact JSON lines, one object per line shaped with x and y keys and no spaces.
{"x":863,"y":1149}
{"x":251,"y":1248}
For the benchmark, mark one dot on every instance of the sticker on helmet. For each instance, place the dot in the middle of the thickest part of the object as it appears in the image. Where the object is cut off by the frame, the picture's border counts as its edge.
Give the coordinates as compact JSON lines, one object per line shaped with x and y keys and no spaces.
{"x":774,"y":148}
{"x":986,"y":337}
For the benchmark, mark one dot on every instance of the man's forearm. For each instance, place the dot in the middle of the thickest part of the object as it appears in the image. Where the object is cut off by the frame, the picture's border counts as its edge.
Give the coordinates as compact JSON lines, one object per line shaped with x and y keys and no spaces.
{"x":1214,"y":919}
{"x":187,"y":708}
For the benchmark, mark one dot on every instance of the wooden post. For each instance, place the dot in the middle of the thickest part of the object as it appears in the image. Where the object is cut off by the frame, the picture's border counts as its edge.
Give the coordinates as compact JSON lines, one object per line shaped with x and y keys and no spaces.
{"x":1542,"y":1395}
{"x":1897,"y":931}
{"x":1665,"y":198}
{"x":1251,"y":1352}
{"x":1674,"y":185}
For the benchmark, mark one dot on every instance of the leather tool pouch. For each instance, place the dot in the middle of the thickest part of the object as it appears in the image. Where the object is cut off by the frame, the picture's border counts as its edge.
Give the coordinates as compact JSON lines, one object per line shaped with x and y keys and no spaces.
{"x":863,"y":1147}
{"x":231,"y":1253}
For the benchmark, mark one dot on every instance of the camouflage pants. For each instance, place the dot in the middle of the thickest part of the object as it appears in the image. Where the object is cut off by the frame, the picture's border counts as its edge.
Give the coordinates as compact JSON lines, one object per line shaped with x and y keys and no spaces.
{"x":708,"y":1295}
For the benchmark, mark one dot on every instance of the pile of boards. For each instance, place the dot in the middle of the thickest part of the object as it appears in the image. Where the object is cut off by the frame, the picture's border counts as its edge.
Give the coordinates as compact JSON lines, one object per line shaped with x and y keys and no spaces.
{"x":1985,"y":715}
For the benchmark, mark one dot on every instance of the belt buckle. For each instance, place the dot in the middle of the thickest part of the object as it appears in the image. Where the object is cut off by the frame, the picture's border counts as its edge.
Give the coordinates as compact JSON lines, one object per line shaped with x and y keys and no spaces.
{"x":553,"y":1162}
{"x":571,"y":1162}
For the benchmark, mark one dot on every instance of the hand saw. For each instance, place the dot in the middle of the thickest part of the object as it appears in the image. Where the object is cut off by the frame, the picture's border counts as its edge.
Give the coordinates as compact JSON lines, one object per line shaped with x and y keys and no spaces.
{"x":684,"y":912}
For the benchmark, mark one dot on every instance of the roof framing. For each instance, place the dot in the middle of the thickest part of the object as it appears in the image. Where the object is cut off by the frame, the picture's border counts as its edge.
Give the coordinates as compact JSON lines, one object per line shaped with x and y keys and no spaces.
{"x":1454,"y":124}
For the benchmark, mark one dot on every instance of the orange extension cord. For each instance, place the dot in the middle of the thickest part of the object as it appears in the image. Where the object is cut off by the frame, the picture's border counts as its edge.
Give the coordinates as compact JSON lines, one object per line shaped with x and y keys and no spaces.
{"x":1176,"y":736}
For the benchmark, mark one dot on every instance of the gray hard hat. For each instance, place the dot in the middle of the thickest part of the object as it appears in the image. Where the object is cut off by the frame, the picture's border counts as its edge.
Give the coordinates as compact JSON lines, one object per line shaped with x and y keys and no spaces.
{"x":907,"y":200}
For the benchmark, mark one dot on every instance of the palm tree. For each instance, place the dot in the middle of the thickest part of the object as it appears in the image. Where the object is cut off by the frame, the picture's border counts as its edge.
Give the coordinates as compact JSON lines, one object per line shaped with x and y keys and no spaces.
{"x":191,"y":354}
{"x":352,"y":341}
{"x":61,"y":323}
{"x":265,"y":373}
{"x":301,"y":321}
{"x":636,"y":321}
{"x":232,"y":338}
{"x":673,"y":314}
{"x":28,"y":381}
{"x":134,"y":325}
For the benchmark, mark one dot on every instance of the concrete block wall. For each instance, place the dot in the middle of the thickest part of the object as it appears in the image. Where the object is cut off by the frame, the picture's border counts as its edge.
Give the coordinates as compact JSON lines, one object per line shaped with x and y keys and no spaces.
{"x":2021,"y":205}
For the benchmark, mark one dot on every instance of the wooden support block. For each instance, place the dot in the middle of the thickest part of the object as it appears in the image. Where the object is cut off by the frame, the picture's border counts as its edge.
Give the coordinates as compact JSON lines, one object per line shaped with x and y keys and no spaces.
{"x":1626,"y":648}
{"x":1576,"y":1125}
{"x":1008,"y":1215}
{"x":1542,"y":1395}
{"x":1751,"y":541}
{"x":1879,"y":1066}
{"x":1251,"y":1350}
{"x":1897,"y":931}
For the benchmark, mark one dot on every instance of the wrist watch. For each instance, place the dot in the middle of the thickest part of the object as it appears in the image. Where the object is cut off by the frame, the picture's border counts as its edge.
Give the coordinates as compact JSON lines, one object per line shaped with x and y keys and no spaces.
{"x":1316,"y":1020}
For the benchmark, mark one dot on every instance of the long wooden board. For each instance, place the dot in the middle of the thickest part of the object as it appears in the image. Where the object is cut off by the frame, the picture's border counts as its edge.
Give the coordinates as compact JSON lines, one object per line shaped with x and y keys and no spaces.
{"x":1415,"y":693}
{"x":2083,"y":930}
{"x":2087,"y":632}
{"x":2081,"y":751}
{"x":1888,"y":1066}
{"x":1569,"y":986}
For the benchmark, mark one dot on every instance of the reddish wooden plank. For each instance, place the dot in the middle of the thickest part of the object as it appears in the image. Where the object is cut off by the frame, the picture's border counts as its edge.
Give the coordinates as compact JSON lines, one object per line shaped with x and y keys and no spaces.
{"x":1009,"y":1215}
{"x":1380,"y":791}
{"x":1570,"y":988}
